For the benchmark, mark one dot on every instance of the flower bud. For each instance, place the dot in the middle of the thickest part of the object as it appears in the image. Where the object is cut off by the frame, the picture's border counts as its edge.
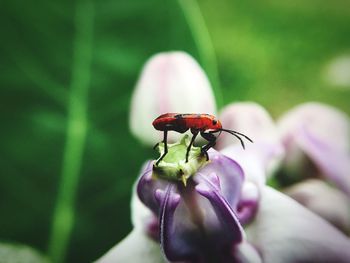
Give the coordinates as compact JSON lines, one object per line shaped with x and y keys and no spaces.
{"x":248,"y":118}
{"x":324,"y":200}
{"x":254,"y":121}
{"x":320,"y":134}
{"x":169,"y":82}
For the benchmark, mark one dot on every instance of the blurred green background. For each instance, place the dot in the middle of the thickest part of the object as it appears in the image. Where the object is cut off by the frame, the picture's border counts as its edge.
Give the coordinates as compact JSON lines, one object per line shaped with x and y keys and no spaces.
{"x":67,"y":72}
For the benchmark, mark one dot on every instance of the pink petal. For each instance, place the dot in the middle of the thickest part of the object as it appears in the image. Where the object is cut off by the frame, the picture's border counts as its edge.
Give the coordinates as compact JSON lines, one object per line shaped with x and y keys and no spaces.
{"x":169,"y":82}
{"x":248,"y":118}
{"x":254,"y":121}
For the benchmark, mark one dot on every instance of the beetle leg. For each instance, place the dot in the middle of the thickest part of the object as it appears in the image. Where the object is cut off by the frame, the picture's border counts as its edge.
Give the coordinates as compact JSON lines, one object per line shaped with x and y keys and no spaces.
{"x":165,"y":147}
{"x":210,"y":137}
{"x":195,"y":133}
{"x":155,"y":146}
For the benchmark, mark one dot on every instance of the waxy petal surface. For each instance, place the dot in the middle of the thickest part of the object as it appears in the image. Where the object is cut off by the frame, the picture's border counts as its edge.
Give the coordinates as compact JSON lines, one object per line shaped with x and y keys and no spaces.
{"x":285,"y":231}
{"x":254,"y":121}
{"x":136,"y":247}
{"x":169,"y":82}
{"x":320,"y":133}
{"x":324,"y":200}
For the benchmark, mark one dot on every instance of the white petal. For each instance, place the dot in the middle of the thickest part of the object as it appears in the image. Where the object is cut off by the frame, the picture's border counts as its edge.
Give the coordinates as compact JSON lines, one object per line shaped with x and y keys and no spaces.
{"x":326,"y":123}
{"x":136,"y":247}
{"x":324,"y":200}
{"x":169,"y":82}
{"x":285,"y":231}
{"x":248,"y":118}
{"x":246,"y":253}
{"x":254,"y":121}
{"x":252,"y":166}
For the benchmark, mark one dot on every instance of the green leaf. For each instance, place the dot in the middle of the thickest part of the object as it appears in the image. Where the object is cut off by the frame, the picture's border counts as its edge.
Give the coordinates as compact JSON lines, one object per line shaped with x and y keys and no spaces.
{"x":68,"y":160}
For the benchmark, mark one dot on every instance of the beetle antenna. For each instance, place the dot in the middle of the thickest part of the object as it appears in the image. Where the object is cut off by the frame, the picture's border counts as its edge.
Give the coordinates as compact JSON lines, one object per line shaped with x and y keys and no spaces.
{"x":236,"y":134}
{"x":239,"y":138}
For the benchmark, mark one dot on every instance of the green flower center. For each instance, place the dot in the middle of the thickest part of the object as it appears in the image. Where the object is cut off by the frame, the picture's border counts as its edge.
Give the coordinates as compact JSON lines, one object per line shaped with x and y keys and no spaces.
{"x":174,"y":166}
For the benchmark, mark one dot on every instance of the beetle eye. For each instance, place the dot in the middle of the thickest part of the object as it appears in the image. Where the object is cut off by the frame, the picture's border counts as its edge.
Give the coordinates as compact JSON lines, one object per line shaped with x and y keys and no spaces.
{"x":215,"y":122}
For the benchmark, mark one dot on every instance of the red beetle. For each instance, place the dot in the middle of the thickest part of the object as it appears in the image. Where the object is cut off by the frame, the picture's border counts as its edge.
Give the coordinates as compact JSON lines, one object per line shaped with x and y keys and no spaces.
{"x":204,"y":124}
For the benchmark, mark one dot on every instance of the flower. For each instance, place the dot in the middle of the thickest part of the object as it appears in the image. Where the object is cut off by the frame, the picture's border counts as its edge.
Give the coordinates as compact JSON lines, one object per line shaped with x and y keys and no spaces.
{"x":200,"y":218}
{"x":320,"y":134}
{"x":222,"y":210}
{"x":220,"y":216}
{"x":316,"y":138}
{"x":169,"y":82}
{"x":301,"y":142}
{"x":254,"y":121}
{"x":285,"y":231}
{"x":323,"y":199}
{"x":249,"y":118}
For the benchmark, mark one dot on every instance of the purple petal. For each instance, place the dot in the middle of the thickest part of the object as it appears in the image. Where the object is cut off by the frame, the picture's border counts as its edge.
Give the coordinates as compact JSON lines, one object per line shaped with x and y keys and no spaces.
{"x":142,"y":217}
{"x":321,"y":133}
{"x":248,"y":204}
{"x":175,"y":238}
{"x":196,"y":221}
{"x":195,"y":226}
{"x":329,"y":124}
{"x":147,"y":186}
{"x":225,"y":224}
{"x":230,"y":173}
{"x":334,"y":163}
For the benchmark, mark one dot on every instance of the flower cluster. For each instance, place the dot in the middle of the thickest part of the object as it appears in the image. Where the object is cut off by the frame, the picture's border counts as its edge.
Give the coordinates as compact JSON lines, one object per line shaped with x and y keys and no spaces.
{"x":226,"y":210}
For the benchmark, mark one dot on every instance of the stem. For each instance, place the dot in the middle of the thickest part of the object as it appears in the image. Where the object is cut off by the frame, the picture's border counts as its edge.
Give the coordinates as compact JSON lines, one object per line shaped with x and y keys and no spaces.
{"x":205,"y":47}
{"x":63,"y":218}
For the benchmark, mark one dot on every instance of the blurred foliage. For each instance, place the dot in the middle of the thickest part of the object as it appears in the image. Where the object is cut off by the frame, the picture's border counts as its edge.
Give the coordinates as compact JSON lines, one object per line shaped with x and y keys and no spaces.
{"x":272,"y":52}
{"x":276,"y":52}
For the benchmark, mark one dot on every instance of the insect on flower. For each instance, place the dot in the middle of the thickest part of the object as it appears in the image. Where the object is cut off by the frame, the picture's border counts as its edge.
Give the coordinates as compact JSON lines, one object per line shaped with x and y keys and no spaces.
{"x":204,"y":124}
